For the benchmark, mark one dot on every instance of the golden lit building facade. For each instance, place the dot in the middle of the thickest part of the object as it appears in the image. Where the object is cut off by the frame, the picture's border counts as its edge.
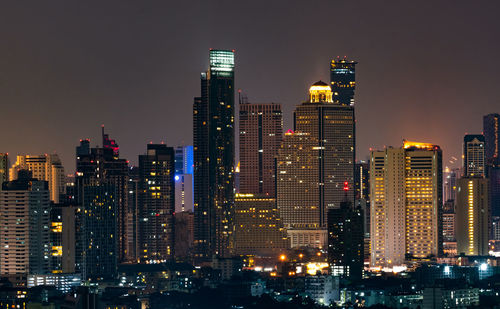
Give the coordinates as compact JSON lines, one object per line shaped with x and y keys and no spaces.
{"x":298,"y":192}
{"x":473,"y":216}
{"x":315,"y":163}
{"x":258,"y":229}
{"x":43,"y":167}
{"x":406,"y":204}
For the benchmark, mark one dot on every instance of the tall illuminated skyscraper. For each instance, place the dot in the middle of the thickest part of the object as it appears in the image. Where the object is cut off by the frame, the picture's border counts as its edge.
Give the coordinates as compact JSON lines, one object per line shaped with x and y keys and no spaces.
{"x":261,"y":129}
{"x":472,"y":213}
{"x":406,"y":204}
{"x":156,"y":203}
{"x":474,"y":156}
{"x":315,"y":164}
{"x":343,"y":81}
{"x":213,"y":137}
{"x":332,"y":131}
{"x":43,"y":167}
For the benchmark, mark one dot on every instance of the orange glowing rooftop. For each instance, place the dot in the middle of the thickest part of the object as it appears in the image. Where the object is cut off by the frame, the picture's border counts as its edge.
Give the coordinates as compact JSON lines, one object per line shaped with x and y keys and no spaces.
{"x":419,"y":145}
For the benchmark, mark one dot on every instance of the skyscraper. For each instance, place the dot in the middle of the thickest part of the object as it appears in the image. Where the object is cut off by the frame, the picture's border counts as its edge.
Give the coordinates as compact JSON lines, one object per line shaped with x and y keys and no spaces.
{"x":43,"y":167}
{"x":99,"y":232}
{"x":261,"y":129}
{"x":298,"y":191}
{"x":184,"y":187}
{"x":4,"y":167}
{"x":343,"y":81}
{"x":332,"y":130}
{"x":102,"y":181}
{"x":315,"y":163}
{"x":213,"y":137}
{"x":156,"y":204}
{"x":450,"y":184}
{"x":474,"y":156}
{"x":472,"y":216}
{"x":362,"y":199}
{"x":346,"y":241}
{"x":24,"y":218}
{"x":406,"y":204}
{"x":133,"y":214}
{"x":491,"y":131}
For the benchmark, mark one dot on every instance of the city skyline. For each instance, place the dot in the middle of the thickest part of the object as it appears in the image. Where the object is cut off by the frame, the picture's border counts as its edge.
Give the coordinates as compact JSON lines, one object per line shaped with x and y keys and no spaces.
{"x":67,"y":90}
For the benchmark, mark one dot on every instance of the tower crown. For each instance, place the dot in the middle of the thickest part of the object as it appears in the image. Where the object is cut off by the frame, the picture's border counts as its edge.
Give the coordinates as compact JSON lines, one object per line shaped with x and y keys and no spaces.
{"x":320,"y":92}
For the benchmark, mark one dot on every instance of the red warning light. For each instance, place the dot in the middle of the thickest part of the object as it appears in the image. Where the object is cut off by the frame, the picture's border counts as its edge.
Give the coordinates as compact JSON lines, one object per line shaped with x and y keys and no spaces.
{"x":346,"y":186}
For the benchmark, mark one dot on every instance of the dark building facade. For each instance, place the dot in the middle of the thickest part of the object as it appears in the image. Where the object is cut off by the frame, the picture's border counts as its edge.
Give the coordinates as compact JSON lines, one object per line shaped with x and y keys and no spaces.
{"x":491,"y":131}
{"x":98,"y":218}
{"x":213,"y":137}
{"x":156,"y":203}
{"x":101,"y":182}
{"x":346,"y":241}
{"x":261,"y":130}
{"x":343,"y":81}
{"x":4,"y":167}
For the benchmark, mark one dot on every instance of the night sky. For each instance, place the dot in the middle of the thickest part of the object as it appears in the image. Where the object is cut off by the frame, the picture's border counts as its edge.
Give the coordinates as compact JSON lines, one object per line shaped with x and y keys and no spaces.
{"x":428,"y":70}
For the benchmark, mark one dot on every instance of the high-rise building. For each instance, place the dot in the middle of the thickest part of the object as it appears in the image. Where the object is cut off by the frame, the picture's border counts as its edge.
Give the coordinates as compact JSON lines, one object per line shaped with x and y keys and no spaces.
{"x":184,"y":186}
{"x":184,"y":163}
{"x":491,"y":131}
{"x":406,"y":204}
{"x":474,"y":156}
{"x":4,"y":168}
{"x":43,"y":167}
{"x":98,"y":236}
{"x":494,"y":176}
{"x":343,"y":81}
{"x":156,"y":204}
{"x":62,"y":238}
{"x":99,"y":167}
{"x":213,"y":137}
{"x":346,"y":241}
{"x":332,"y":130}
{"x":450,"y":184}
{"x":314,"y":165}
{"x":24,"y":218}
{"x":133,"y":214}
{"x":298,"y":191}
{"x":184,"y":234}
{"x":362,"y":180}
{"x":472,"y":216}
{"x":261,"y":130}
{"x":362,"y":199}
{"x":258,"y":229}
